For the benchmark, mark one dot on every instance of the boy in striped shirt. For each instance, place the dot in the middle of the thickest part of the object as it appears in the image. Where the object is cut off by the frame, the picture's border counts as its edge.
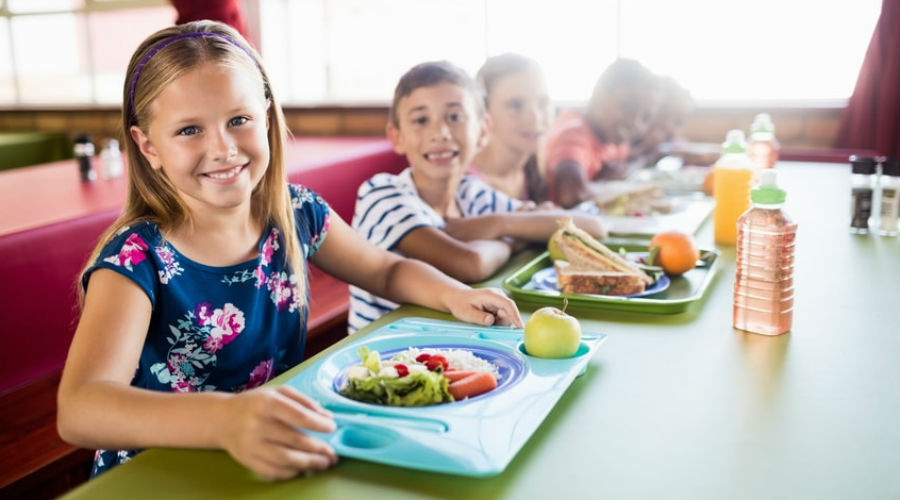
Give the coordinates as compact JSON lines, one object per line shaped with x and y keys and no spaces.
{"x":432,"y":211}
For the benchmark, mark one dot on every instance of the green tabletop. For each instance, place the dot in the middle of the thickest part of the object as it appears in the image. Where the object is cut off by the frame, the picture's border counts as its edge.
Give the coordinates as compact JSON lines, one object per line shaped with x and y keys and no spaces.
{"x":671,"y":406}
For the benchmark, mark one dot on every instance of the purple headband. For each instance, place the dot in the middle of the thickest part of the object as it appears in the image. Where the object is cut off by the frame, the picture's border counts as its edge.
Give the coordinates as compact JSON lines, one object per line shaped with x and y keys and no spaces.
{"x":165,"y":43}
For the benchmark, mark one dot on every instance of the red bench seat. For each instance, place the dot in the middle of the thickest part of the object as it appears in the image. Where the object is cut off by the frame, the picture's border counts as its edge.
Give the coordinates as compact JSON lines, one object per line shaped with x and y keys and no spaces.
{"x":50,"y":224}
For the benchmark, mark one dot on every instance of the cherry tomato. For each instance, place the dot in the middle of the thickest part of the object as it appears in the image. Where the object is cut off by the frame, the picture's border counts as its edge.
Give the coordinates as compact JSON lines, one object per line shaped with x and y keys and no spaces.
{"x":437,"y":360}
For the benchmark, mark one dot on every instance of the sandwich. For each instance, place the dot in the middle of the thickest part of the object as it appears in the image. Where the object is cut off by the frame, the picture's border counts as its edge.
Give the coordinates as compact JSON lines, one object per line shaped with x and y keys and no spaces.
{"x":570,"y":279}
{"x":591,"y":267}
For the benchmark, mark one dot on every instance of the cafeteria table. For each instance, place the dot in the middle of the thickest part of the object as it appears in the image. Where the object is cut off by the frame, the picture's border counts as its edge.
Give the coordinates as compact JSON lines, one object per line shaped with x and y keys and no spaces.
{"x":670,"y":406}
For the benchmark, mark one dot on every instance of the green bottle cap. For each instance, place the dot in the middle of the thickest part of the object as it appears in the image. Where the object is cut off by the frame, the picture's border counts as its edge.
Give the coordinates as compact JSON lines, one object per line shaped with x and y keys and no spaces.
{"x":762,"y":123}
{"x":768,"y":192}
{"x":734,"y":142}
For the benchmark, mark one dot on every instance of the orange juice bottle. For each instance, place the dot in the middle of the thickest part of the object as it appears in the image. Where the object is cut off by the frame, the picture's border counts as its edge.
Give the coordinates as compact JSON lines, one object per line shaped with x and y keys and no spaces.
{"x":732,"y":179}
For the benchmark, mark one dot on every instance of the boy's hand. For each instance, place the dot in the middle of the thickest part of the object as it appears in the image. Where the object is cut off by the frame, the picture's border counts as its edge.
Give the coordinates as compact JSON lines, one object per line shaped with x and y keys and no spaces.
{"x":485,"y":227}
{"x":527,"y":206}
{"x":260,"y":429}
{"x":484,"y":306}
{"x":530,"y":206}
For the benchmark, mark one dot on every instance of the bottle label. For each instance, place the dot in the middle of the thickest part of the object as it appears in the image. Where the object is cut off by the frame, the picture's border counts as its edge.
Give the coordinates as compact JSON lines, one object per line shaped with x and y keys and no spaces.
{"x":890,"y":207}
{"x":860,"y":207}
{"x":84,"y":149}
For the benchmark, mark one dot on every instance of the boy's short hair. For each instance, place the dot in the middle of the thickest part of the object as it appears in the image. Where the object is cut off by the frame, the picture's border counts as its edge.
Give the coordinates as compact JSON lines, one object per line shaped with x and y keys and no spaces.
{"x":432,"y":73}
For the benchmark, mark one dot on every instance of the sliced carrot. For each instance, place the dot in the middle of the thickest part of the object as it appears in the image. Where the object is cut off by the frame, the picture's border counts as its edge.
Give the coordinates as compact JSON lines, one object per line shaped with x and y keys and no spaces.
{"x":454,"y":375}
{"x":473,"y":385}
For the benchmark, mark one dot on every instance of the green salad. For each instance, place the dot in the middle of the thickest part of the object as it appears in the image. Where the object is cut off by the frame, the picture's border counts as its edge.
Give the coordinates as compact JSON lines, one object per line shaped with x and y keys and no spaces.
{"x":393,"y":383}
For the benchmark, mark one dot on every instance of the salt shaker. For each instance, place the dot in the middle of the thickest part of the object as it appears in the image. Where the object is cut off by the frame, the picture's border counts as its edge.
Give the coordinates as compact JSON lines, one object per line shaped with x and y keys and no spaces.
{"x":890,"y":196}
{"x":111,"y":159}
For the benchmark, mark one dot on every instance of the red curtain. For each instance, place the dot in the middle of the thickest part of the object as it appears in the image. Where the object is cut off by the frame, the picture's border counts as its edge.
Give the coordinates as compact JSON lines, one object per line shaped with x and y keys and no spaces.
{"x":226,"y":11}
{"x":871,"y":119}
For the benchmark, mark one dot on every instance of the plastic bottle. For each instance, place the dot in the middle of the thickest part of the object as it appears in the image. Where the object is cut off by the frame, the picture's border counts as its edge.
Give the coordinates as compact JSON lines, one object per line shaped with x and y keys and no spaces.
{"x":732,"y":177}
{"x":764,"y":276}
{"x":890,"y":197}
{"x":763,"y":147}
{"x":111,"y":159}
{"x":862,"y":186}
{"x":84,"y":153}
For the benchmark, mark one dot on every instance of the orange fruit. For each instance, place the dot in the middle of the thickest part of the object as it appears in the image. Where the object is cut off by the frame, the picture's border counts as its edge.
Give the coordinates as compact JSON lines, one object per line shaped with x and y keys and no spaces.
{"x":678,"y":252}
{"x":708,"y":182}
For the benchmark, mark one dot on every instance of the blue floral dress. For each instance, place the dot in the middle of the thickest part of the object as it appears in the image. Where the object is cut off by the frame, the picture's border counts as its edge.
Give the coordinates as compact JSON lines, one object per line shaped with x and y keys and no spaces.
{"x":215,"y":328}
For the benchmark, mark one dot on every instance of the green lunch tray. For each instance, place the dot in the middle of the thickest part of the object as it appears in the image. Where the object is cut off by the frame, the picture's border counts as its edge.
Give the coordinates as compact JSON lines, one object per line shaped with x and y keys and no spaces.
{"x":681,"y":292}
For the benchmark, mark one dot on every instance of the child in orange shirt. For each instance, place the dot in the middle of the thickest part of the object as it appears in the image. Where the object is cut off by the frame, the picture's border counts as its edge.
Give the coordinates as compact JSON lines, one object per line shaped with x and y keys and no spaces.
{"x":661,"y":137}
{"x":594,"y":145}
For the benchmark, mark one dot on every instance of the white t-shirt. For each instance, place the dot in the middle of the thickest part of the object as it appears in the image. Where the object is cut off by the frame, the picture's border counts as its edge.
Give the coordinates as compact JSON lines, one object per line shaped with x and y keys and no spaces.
{"x":388,"y":207}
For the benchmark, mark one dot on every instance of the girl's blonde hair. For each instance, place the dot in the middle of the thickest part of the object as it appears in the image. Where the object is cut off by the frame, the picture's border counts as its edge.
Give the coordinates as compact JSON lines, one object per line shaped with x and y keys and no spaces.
{"x":151,"y":196}
{"x":497,"y":67}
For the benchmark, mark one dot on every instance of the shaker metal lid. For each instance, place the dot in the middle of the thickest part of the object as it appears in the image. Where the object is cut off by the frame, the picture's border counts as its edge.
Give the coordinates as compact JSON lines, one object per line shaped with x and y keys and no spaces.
{"x":863,"y":164}
{"x":891,"y":166}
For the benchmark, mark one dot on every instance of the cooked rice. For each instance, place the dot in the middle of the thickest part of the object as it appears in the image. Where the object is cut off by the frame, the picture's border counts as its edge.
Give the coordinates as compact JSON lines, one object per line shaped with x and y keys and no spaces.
{"x":458,"y":359}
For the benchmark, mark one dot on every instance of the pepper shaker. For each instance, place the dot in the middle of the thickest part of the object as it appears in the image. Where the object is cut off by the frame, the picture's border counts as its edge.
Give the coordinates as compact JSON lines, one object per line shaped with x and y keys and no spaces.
{"x":84,"y":153}
{"x":862,"y":181}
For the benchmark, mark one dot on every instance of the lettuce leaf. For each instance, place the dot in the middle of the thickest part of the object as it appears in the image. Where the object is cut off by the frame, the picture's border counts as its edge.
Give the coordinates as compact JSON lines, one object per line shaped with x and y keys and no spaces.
{"x":415,"y":389}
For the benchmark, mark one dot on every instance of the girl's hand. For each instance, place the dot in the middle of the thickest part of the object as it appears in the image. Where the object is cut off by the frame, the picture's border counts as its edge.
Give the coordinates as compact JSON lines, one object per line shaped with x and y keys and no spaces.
{"x":260,"y":429}
{"x":484,"y":306}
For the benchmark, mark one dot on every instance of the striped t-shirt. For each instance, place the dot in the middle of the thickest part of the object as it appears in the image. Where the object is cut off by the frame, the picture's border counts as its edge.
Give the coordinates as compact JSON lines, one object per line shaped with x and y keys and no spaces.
{"x":388,"y":207}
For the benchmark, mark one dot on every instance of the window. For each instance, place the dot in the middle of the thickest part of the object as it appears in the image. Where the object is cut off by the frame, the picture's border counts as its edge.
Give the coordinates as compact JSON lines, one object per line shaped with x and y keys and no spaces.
{"x":722,"y":50}
{"x":353,"y":51}
{"x":774,"y":50}
{"x":72,"y":51}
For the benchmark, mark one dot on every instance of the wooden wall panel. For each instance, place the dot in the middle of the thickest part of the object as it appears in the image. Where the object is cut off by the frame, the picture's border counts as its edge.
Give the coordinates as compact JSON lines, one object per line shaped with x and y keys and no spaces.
{"x":801,"y":128}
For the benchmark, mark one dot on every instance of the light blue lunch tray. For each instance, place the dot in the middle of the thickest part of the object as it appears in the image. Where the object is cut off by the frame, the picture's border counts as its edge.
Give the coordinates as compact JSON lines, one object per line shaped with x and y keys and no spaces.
{"x":474,"y":437}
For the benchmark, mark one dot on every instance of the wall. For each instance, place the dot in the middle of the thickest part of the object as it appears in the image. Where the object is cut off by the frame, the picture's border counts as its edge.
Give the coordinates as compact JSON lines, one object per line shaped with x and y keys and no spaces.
{"x":797,"y":128}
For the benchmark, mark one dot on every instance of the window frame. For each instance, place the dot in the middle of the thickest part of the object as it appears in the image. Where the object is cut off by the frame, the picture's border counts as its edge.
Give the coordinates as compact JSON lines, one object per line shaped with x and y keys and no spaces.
{"x":83,"y":16}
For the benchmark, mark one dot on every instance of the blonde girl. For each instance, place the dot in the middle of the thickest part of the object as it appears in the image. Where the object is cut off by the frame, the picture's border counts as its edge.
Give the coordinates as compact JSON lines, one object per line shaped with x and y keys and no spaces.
{"x":197,"y":295}
{"x":518,"y":116}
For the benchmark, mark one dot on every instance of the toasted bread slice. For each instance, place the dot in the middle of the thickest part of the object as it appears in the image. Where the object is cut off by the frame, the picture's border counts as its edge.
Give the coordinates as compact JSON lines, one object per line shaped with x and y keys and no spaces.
{"x":584,"y":252}
{"x":570,"y":279}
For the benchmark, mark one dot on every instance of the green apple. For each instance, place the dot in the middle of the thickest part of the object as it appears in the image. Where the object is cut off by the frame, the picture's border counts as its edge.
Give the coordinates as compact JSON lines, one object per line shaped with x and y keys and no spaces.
{"x":551,"y":333}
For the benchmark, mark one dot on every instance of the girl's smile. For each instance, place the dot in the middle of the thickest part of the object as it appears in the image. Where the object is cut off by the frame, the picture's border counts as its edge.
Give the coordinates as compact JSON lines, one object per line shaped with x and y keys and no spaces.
{"x":226,"y":176}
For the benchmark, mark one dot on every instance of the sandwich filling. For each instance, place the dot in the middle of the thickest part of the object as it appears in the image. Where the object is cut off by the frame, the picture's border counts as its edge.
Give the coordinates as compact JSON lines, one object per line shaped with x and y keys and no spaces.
{"x":591,"y":267}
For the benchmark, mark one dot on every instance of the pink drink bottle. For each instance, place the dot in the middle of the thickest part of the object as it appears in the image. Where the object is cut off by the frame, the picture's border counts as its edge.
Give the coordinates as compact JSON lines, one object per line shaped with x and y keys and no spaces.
{"x":764,"y":278}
